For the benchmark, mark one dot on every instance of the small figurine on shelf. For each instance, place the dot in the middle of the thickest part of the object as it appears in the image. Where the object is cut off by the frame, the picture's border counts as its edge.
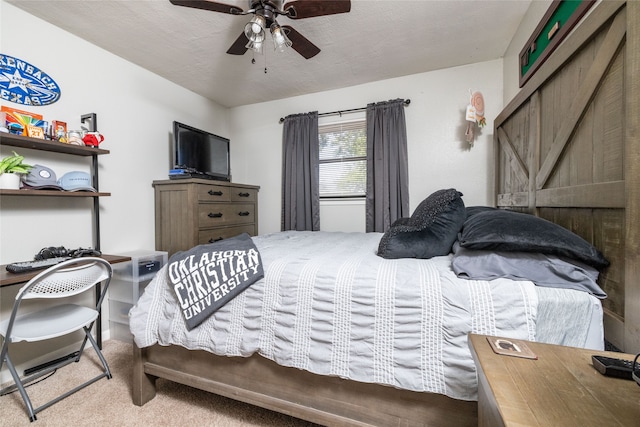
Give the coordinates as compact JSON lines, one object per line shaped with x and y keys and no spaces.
{"x":93,"y":139}
{"x":59,"y":131}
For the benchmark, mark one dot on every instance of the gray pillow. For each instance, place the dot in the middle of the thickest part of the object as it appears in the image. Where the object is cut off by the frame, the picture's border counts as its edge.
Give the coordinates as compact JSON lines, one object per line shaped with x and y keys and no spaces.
{"x":543,"y":270}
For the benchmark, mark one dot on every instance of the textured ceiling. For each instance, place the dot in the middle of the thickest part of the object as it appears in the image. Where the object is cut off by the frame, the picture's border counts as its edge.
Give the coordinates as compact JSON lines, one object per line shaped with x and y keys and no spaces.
{"x":378,"y":39}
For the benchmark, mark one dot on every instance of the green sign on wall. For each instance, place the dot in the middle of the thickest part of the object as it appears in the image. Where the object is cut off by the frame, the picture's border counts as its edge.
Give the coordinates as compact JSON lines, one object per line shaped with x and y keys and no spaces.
{"x":561,"y":16}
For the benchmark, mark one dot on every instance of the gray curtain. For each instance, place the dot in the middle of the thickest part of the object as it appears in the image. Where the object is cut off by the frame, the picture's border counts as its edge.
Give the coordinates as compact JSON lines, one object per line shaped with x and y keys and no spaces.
{"x":387,"y":176}
{"x":300,"y":173}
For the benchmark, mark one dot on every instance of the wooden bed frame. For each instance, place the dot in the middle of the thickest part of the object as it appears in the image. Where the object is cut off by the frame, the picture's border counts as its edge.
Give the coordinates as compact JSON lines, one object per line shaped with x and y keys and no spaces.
{"x":568,"y":150}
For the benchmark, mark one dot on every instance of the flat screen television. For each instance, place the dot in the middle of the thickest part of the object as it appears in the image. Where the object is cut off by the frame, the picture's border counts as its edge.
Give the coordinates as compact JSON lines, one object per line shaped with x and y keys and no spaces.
{"x":200,"y":153}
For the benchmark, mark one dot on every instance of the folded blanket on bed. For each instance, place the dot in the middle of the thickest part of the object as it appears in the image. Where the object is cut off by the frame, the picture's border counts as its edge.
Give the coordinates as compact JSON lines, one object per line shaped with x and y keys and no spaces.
{"x":329,"y":305}
{"x":206,"y":277}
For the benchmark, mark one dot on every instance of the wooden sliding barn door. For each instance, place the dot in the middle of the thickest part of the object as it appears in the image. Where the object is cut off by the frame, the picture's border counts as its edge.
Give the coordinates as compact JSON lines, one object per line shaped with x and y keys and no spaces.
{"x":567,"y":150}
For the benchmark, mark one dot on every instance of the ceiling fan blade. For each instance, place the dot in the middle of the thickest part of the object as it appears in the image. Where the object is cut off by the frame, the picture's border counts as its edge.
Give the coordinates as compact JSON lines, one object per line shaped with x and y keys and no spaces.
{"x":300,"y":43}
{"x":298,"y":9}
{"x":239,"y":47}
{"x":208,"y":5}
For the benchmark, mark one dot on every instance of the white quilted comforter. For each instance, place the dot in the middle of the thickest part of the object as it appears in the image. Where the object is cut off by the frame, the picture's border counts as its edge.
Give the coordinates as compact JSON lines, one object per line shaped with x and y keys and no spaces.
{"x":328,"y":304}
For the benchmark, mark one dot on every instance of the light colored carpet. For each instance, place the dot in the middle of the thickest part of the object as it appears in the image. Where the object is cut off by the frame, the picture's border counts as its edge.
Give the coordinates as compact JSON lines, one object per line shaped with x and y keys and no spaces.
{"x":108,"y":402}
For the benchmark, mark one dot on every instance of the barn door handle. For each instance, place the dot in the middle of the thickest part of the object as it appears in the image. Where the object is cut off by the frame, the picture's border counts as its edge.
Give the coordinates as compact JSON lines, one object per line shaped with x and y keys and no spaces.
{"x":244,"y":194}
{"x":245,"y":213}
{"x":215,"y":215}
{"x":215,"y":193}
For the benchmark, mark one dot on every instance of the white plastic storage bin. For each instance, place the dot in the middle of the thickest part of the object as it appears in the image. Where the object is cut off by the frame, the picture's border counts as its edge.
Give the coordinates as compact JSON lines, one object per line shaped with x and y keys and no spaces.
{"x":120,"y":332}
{"x":119,"y":311}
{"x":130,"y":278}
{"x":127,"y":284}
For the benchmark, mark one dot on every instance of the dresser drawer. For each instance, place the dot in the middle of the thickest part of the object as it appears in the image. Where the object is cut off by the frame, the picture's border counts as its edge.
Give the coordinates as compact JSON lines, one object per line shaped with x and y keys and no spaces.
{"x":217,"y":214}
{"x":243,"y":195}
{"x":215,"y":234}
{"x":214,"y":193}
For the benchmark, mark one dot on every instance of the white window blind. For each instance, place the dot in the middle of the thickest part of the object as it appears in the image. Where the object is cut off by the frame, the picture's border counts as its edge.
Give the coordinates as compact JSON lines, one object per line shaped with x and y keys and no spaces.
{"x":343,"y":159}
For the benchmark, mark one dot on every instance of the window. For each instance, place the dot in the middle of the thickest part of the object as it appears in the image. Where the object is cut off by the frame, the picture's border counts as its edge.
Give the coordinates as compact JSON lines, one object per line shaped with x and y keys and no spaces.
{"x":343,"y":159}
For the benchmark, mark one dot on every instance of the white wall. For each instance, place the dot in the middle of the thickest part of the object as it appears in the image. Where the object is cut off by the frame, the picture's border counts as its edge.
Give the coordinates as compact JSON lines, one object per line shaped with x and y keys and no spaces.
{"x":135,"y":111}
{"x":439,"y":156}
{"x":136,"y":108}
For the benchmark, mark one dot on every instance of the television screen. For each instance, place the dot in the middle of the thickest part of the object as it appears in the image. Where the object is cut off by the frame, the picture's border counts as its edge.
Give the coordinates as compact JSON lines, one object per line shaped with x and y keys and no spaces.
{"x":201,"y":152}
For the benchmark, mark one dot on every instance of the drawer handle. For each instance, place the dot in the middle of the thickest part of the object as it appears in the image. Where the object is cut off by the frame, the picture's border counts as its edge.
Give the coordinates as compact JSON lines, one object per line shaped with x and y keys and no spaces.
{"x":244,"y":194}
{"x":245,"y":213}
{"x":215,"y":215}
{"x":215,"y":193}
{"x":212,"y":240}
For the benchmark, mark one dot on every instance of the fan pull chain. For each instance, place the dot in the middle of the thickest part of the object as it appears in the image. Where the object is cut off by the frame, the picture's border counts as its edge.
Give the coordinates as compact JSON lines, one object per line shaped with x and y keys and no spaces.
{"x":253,"y":61}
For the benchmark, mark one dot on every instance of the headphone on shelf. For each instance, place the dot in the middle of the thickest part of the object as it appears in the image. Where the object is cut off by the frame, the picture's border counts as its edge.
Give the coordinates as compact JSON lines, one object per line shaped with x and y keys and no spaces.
{"x":61,"y":251}
{"x":51,"y":252}
{"x":80,"y":252}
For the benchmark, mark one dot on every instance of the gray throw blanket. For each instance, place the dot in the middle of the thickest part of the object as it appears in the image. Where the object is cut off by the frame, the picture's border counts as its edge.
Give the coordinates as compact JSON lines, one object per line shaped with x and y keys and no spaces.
{"x":206,"y":277}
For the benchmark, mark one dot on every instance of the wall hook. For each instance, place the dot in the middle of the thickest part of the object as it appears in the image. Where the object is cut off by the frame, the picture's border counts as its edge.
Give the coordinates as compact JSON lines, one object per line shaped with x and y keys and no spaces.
{"x":92,"y":118}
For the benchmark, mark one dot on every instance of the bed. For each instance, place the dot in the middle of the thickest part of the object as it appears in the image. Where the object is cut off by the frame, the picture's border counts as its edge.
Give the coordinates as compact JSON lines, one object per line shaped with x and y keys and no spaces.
{"x":541,"y":139}
{"x":328,"y":304}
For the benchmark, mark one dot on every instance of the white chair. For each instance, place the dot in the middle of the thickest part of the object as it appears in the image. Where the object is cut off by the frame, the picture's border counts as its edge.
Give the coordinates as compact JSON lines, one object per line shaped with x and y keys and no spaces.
{"x":51,"y":318}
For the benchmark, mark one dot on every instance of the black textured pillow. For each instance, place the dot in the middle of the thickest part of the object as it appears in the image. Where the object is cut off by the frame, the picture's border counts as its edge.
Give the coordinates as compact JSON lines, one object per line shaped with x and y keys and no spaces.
{"x":503,"y":230}
{"x":430,"y":231}
{"x":472,"y":210}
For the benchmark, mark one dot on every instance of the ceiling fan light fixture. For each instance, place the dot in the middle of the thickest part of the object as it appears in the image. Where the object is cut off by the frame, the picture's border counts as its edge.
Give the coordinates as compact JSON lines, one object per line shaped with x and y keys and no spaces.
{"x":255,"y":29}
{"x":255,"y":46}
{"x":280,"y":39}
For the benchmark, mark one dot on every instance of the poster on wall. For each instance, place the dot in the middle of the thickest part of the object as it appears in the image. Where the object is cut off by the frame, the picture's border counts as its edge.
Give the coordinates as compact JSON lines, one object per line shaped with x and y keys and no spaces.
{"x":26,"y":84}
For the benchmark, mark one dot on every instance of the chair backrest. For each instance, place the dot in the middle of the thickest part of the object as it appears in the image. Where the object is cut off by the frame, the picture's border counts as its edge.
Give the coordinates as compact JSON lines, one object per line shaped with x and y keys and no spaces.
{"x":68,"y":278}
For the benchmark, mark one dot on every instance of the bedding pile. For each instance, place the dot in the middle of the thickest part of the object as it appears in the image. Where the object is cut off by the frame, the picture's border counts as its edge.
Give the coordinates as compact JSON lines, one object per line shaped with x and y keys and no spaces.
{"x":496,"y":243}
{"x":329,"y":305}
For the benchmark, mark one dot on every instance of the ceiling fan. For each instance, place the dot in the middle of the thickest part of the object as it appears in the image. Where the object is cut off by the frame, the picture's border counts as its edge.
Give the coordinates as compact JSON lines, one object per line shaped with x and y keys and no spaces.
{"x":264,"y":16}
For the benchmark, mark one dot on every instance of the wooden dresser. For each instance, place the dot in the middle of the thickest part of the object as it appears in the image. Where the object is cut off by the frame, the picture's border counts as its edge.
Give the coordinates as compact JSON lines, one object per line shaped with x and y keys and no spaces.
{"x":196,"y":211}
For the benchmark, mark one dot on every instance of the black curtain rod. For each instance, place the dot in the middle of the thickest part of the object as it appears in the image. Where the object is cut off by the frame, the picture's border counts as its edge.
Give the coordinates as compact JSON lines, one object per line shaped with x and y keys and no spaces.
{"x":340,"y":112}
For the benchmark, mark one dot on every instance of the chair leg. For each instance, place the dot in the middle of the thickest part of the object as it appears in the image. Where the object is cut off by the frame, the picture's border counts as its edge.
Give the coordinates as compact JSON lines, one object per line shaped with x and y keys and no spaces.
{"x":20,"y":387}
{"x":84,"y":343}
{"x":87,"y":333}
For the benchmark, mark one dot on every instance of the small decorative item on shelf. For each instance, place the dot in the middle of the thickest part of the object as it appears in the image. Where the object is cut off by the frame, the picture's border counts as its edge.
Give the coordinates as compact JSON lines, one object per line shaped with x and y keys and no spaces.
{"x":21,"y":122}
{"x":74,"y":137}
{"x":11,"y":169}
{"x":59,"y":131}
{"x":3,"y":122}
{"x":37,"y":131}
{"x":93,"y":139}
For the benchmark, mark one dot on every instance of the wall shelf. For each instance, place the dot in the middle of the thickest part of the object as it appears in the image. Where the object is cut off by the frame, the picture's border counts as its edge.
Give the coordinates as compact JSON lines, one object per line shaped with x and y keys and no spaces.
{"x":12,"y":140}
{"x":52,"y":193}
{"x":19,"y":141}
